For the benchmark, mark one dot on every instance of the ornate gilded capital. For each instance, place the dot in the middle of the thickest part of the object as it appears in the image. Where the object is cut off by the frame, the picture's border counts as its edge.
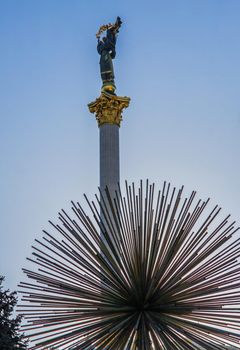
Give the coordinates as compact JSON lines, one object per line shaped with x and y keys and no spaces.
{"x":108,"y":108}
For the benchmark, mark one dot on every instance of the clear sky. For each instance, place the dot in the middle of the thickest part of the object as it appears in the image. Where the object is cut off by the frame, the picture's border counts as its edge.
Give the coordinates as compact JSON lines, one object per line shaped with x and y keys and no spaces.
{"x":178,"y":60}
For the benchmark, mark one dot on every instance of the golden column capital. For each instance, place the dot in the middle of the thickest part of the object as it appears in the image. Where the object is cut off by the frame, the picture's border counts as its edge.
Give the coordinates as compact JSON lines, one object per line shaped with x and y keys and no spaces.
{"x":108,"y":108}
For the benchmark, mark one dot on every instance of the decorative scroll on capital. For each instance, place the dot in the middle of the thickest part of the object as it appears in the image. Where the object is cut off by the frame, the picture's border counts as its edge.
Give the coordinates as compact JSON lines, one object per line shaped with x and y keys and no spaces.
{"x":108,"y":108}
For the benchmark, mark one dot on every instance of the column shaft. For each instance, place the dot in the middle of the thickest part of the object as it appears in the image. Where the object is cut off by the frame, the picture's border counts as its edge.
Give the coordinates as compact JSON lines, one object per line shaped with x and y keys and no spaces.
{"x":109,"y":157}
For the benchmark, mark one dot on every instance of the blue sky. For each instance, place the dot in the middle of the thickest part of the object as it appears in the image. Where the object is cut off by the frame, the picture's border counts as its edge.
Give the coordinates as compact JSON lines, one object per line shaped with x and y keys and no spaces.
{"x":179,"y":63}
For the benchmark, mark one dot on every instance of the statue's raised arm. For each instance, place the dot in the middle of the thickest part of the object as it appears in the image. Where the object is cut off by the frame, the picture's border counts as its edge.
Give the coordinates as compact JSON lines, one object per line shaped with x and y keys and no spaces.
{"x":107,"y":50}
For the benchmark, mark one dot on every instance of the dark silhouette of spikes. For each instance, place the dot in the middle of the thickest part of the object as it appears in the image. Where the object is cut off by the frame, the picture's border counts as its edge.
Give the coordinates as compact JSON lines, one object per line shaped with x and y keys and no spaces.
{"x":163,"y":274}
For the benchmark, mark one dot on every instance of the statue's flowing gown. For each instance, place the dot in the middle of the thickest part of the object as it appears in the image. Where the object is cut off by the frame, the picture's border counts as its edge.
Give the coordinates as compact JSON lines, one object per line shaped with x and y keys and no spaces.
{"x":106,"y":49}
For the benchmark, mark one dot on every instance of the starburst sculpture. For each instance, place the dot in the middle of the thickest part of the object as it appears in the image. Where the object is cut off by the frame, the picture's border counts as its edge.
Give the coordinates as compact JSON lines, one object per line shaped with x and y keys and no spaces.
{"x":163,"y":273}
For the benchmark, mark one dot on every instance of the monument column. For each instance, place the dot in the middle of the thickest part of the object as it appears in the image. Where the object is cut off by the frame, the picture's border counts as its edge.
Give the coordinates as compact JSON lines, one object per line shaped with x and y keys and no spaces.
{"x":109,"y":156}
{"x":108,"y":110}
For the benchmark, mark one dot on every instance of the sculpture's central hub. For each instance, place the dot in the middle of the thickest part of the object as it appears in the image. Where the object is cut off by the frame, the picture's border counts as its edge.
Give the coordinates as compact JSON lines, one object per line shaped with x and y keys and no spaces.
{"x":142,"y":307}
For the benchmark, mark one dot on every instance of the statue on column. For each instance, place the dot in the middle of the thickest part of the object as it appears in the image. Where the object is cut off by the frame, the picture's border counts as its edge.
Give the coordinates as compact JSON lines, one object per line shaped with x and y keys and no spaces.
{"x":107,"y":50}
{"x":108,"y":106}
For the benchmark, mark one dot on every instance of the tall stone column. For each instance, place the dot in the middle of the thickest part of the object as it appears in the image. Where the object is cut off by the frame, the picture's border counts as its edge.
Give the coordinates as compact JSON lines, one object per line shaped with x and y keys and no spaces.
{"x":108,"y":111}
{"x":109,"y":157}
